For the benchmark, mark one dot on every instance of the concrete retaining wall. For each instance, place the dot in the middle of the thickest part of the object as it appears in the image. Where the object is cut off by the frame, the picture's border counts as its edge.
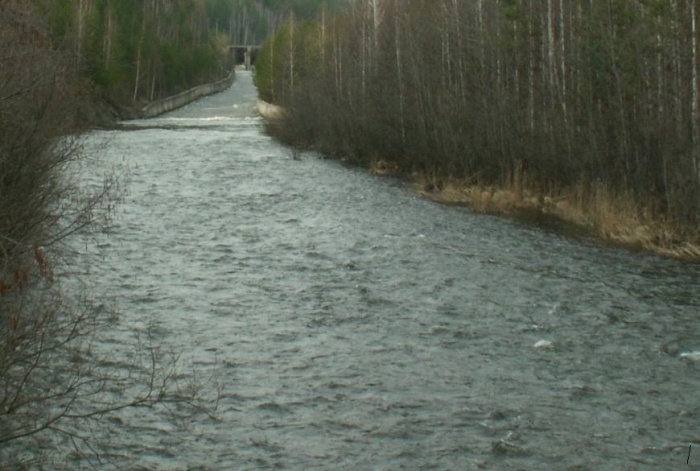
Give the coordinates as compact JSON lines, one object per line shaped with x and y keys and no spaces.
{"x":174,"y":102}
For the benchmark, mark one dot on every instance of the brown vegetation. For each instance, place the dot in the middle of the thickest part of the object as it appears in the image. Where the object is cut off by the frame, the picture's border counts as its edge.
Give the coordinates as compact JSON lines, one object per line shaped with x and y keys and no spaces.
{"x":590,"y":101}
{"x":599,"y":212}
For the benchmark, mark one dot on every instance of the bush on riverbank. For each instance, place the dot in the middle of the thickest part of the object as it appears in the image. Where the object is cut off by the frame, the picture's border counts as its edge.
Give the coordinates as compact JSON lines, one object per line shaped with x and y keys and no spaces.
{"x":41,"y":101}
{"x":55,"y":383}
{"x":584,"y":106}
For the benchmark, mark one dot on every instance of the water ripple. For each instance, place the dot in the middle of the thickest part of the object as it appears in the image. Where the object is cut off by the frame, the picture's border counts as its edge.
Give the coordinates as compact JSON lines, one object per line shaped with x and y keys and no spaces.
{"x":354,"y":326}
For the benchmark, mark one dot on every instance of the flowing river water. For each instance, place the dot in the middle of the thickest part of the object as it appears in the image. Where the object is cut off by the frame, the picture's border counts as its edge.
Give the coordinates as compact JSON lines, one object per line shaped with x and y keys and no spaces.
{"x":349,"y":324}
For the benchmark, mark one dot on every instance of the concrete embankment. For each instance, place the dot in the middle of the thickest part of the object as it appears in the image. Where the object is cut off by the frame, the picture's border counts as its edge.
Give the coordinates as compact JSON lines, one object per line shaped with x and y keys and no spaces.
{"x":159,"y":107}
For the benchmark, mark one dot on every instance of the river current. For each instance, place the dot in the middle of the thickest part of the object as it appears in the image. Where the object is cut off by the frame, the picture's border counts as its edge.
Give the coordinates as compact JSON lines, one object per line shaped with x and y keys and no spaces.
{"x":348,"y":324}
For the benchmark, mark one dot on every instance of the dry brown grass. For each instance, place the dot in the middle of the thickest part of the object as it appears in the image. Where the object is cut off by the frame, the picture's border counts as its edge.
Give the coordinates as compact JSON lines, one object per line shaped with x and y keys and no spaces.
{"x":598,"y":211}
{"x":383,"y":167}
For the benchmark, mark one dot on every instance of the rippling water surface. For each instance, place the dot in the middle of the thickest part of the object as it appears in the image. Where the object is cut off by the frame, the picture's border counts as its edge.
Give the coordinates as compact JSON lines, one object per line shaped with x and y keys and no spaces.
{"x":352,"y":325}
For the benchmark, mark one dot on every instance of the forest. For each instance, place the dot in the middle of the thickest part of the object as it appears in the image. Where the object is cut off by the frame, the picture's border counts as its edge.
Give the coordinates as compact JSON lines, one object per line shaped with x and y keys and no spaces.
{"x":140,"y":51}
{"x":584,"y":111}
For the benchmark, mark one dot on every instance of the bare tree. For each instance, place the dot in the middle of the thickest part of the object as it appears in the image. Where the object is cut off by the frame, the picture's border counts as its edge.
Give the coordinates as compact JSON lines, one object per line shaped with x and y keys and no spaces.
{"x":586,"y":98}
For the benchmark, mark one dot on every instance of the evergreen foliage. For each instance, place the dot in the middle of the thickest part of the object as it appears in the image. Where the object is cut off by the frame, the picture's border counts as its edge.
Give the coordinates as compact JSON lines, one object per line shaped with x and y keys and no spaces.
{"x":143,"y":50}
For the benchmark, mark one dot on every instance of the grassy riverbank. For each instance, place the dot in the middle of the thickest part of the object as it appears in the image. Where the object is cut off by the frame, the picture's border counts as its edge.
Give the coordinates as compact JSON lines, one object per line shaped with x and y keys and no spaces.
{"x":597,"y":212}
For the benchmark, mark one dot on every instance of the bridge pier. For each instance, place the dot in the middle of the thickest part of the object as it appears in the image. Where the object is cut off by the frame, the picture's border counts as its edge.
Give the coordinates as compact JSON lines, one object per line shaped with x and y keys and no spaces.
{"x":244,"y":54}
{"x":246,"y":59}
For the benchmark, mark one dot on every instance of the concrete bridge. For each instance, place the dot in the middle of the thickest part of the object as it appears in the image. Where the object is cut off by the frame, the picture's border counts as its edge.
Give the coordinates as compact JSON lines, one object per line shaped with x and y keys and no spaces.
{"x":244,"y":53}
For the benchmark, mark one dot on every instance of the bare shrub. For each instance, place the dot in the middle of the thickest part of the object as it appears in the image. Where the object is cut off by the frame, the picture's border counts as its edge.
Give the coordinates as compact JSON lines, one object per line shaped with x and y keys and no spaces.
{"x":57,"y":380}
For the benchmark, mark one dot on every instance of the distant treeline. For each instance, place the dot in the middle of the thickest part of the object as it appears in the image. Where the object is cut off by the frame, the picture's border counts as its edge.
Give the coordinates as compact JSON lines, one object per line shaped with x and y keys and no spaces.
{"x":584,"y":95}
{"x":143,"y":50}
{"x":138,"y":50}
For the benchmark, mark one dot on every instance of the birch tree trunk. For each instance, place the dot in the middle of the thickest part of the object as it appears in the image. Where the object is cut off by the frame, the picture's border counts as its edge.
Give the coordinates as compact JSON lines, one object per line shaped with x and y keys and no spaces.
{"x":694,"y":55}
{"x":291,"y":54}
{"x":137,"y":79}
{"x":399,"y":76}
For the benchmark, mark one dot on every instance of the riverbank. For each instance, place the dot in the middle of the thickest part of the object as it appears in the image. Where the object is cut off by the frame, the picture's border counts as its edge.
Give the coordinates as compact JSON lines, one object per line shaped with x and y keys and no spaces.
{"x":171,"y":103}
{"x":268,"y":110}
{"x":596,"y":212}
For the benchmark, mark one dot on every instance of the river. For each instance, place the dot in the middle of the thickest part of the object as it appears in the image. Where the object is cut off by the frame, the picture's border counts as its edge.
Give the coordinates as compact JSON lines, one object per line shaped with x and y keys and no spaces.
{"x":349,"y":324}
